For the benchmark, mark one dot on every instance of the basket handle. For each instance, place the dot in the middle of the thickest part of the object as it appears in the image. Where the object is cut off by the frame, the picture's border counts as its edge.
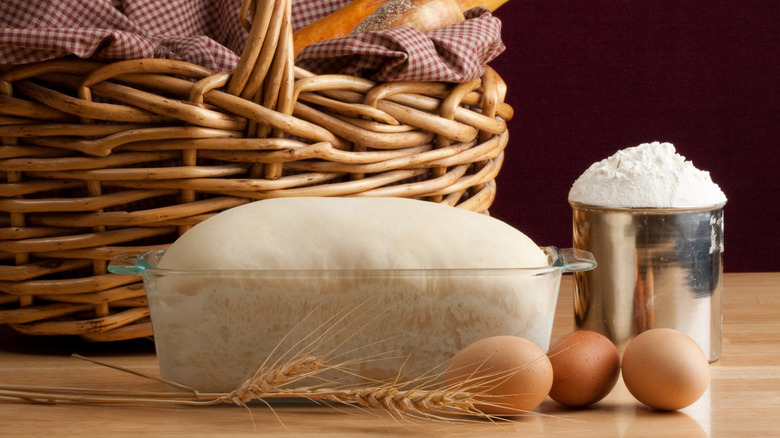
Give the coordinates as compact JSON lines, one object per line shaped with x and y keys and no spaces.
{"x":264,"y":55}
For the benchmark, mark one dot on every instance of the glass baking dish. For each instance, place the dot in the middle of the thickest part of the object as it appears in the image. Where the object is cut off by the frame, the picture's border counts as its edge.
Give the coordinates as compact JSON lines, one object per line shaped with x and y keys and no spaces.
{"x":214,"y":328}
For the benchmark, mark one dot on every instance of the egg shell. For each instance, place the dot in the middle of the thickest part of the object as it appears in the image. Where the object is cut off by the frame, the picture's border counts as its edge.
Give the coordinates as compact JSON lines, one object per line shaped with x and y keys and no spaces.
{"x":665,"y":369}
{"x":586,"y":367}
{"x":511,"y":375}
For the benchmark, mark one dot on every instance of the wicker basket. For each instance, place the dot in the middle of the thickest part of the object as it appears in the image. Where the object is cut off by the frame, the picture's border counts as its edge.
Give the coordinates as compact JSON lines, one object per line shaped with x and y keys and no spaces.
{"x":101,"y":159}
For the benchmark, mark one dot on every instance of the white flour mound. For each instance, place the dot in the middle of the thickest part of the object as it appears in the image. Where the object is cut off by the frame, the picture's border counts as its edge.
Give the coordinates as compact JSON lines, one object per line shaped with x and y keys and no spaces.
{"x":651,"y":175}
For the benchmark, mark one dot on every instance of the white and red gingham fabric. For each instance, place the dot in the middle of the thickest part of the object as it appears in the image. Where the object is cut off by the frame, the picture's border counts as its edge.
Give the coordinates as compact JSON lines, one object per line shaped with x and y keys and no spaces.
{"x":201,"y":32}
{"x":456,"y":53}
{"x":209,"y":33}
{"x":306,"y":11}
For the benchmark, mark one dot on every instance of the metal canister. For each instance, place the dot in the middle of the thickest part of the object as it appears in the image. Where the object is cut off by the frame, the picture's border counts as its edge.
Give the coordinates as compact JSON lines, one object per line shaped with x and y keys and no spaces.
{"x":657,"y":267}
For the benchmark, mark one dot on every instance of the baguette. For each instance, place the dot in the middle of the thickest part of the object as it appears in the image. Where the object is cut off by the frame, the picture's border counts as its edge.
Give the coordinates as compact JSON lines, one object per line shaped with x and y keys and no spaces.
{"x":342,"y":21}
{"x":423,"y":15}
{"x":336,"y":25}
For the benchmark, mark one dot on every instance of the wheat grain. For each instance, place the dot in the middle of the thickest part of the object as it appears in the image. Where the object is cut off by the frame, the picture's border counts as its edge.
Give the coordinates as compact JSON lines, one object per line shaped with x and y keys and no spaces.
{"x":270,"y":382}
{"x":424,"y":396}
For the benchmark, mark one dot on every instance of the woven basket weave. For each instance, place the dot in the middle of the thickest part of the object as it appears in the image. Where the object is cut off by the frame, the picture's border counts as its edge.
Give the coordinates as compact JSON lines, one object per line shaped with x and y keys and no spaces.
{"x":101,"y":159}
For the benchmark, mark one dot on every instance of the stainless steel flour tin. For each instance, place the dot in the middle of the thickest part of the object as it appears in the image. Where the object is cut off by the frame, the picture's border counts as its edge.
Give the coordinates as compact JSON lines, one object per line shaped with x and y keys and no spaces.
{"x":657,"y":267}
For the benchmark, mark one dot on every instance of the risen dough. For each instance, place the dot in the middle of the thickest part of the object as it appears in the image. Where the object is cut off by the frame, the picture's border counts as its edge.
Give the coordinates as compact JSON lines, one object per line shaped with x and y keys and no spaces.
{"x":351,"y":233}
{"x":213,"y":328}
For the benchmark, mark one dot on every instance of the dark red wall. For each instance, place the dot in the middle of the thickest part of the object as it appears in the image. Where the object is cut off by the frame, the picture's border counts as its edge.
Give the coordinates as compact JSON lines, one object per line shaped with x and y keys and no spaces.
{"x":587,"y":78}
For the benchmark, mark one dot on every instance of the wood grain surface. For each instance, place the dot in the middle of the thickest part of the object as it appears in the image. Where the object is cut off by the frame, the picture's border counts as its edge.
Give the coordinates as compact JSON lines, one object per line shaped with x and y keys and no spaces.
{"x":742,"y":399}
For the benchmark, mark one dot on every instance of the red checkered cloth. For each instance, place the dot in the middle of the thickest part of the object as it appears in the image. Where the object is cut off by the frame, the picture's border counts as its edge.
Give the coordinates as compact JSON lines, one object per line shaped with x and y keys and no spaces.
{"x":209,"y":33}
{"x":307,"y":11}
{"x":456,"y":53}
{"x":201,"y":32}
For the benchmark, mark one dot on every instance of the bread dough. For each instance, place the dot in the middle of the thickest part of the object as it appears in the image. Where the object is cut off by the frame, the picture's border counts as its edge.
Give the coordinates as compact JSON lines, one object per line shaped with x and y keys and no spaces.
{"x":213,"y":328}
{"x":351,"y":233}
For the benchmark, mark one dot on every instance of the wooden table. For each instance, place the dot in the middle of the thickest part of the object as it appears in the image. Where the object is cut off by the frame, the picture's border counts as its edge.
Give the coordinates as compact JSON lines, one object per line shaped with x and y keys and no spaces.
{"x":743,"y":398}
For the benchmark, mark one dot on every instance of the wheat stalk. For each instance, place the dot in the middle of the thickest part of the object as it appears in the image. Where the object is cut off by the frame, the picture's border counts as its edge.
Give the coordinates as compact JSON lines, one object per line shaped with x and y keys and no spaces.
{"x":262,"y":384}
{"x":263,"y":387}
{"x":397,"y":400}
{"x":423,"y":400}
{"x":421,"y":397}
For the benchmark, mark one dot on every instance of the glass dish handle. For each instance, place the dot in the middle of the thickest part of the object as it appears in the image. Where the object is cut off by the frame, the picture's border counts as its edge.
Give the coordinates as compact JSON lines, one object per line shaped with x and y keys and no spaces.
{"x":572,"y":259}
{"x":132,"y":263}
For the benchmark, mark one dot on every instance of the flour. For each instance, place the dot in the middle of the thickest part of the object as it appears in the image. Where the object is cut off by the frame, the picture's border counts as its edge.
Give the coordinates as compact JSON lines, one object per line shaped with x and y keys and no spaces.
{"x":651,"y":175}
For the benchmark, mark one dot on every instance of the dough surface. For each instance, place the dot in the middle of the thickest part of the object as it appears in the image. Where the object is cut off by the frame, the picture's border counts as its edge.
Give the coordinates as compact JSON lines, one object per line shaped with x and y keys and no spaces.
{"x":213,"y":329}
{"x":351,"y":233}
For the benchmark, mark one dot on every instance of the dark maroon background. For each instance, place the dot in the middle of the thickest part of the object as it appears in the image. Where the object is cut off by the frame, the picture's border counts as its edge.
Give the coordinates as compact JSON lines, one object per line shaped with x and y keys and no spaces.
{"x":587,"y":78}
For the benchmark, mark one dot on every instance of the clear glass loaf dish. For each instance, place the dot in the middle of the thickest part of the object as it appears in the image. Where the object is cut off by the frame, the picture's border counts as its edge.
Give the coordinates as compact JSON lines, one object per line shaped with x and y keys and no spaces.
{"x":214,"y":329}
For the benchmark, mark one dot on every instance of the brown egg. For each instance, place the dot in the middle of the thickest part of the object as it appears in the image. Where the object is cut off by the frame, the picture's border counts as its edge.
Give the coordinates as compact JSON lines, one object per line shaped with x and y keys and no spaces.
{"x":511,"y":374}
{"x":586,"y":366}
{"x":665,"y":369}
